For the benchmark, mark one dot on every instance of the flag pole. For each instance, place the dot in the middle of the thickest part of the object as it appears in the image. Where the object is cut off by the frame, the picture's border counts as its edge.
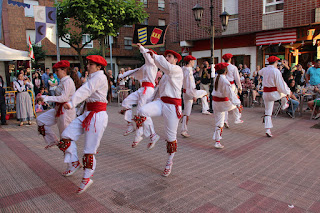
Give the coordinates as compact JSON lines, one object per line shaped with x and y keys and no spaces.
{"x":57,"y":36}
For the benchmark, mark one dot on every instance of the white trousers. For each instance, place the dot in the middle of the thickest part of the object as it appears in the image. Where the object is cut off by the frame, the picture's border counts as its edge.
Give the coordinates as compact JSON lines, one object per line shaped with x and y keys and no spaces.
{"x":236,"y":113}
{"x":93,"y":137}
{"x":140,"y":99}
{"x":269,"y":109}
{"x":188,"y":101}
{"x":219,"y":118}
{"x":49,"y":119}
{"x":168,"y":111}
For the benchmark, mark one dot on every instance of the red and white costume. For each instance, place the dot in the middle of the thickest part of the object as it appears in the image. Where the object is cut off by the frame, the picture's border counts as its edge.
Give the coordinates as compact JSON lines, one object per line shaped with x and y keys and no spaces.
{"x":58,"y":115}
{"x":234,"y":79}
{"x":92,"y":122}
{"x":223,"y":100}
{"x":190,"y":92}
{"x":169,"y":104}
{"x":146,"y":75}
{"x":274,"y":88}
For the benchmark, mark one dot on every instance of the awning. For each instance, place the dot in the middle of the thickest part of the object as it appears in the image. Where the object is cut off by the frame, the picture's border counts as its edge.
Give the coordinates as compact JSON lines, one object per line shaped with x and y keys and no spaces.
{"x":276,"y":37}
{"x":8,"y":54}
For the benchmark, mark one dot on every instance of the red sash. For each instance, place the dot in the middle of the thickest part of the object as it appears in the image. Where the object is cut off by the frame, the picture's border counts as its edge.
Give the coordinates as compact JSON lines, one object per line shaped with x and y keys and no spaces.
{"x":269,"y":89}
{"x":93,"y":107}
{"x":231,"y":82}
{"x":218,"y":99}
{"x":175,"y":101}
{"x":145,"y":85}
{"x":184,"y":90}
{"x":59,"y":111}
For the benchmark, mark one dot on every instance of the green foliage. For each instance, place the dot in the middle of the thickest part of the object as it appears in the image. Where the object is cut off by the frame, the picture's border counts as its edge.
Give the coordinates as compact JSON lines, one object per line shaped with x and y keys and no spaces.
{"x":94,"y":51}
{"x":39,"y":54}
{"x":98,"y":18}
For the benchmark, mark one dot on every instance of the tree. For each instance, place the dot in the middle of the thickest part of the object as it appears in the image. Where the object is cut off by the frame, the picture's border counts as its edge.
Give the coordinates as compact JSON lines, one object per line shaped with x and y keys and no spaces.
{"x":39,"y":54}
{"x":98,"y":18}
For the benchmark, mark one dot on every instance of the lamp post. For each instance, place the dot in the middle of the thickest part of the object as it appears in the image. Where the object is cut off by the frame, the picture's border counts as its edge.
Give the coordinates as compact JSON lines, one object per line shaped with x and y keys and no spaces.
{"x":224,"y":17}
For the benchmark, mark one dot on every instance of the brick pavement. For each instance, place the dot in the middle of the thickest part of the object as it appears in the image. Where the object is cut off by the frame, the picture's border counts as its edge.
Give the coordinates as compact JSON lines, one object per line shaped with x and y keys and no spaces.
{"x":252,"y":173}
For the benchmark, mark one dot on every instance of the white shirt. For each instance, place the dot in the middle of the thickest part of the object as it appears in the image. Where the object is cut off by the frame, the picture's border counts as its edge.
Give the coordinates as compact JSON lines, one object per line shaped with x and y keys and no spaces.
{"x":95,"y":89}
{"x":23,"y":87}
{"x":233,"y":75}
{"x":63,"y":92}
{"x":224,"y":90}
{"x":272,"y":77}
{"x":188,"y":81}
{"x":171,"y":82}
{"x":146,"y":73}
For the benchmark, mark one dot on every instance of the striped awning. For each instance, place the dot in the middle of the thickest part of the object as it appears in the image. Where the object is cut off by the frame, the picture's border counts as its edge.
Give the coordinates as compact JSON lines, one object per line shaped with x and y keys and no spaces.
{"x":276,"y":37}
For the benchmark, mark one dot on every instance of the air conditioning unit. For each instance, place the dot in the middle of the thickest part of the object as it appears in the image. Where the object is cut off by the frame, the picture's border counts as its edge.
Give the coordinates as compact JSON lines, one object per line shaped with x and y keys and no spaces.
{"x":317,"y":15}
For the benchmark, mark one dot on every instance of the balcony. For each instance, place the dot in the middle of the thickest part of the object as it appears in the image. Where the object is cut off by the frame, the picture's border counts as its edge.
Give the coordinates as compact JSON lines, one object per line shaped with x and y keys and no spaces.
{"x":272,"y":20}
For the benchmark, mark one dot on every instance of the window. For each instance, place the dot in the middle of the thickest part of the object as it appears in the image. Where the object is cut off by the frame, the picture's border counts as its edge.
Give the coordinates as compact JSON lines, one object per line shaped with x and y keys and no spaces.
{"x":86,"y":38}
{"x":127,"y":43}
{"x":161,"y":4}
{"x":28,"y":12}
{"x":126,"y":25}
{"x":145,"y":3}
{"x":32,"y":34}
{"x":231,"y":7}
{"x":273,"y":6}
{"x":161,"y":22}
{"x":146,"y":21}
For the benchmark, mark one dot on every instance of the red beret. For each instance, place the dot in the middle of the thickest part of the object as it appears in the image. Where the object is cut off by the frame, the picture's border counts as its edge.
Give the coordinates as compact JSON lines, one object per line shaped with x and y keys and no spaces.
{"x":272,"y":59}
{"x":97,"y":59}
{"x":220,"y":66}
{"x":189,"y":58}
{"x":177,"y":55}
{"x":227,"y":56}
{"x":61,"y":64}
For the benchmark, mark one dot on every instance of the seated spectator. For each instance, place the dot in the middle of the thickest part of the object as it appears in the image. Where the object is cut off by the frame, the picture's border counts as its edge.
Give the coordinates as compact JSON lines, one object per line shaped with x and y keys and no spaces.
{"x":38,"y":97}
{"x":258,"y":91}
{"x":240,"y":68}
{"x":247,"y":86}
{"x":293,"y":101}
{"x":38,"y":106}
{"x":246,"y":70}
{"x":315,"y":102}
{"x":241,"y":78}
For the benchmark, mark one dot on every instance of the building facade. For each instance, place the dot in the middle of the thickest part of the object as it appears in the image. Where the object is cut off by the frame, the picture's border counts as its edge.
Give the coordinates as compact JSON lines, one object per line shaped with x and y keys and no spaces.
{"x":256,"y":30}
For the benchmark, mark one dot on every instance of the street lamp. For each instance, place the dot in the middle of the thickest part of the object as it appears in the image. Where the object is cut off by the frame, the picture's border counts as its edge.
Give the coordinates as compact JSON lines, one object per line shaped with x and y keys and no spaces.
{"x":198,"y":13}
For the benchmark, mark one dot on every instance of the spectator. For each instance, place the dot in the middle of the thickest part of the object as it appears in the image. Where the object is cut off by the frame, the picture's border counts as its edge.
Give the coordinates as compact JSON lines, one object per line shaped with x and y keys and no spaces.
{"x":255,"y":76}
{"x":246,"y":70}
{"x":45,"y":77}
{"x":23,"y":102}
{"x":84,"y":77}
{"x":41,"y":72}
{"x":111,"y":76}
{"x":3,"y":107}
{"x":240,"y":68}
{"x":315,"y":102}
{"x":76,"y":70}
{"x":53,"y":83}
{"x":122,"y":82}
{"x":247,"y":86}
{"x":293,"y":101}
{"x":258,"y":90}
{"x":313,"y":74}
{"x":205,"y":80}
{"x":42,"y":92}
{"x":55,"y":76}
{"x":286,"y":71}
{"x":39,"y":107}
{"x":241,"y":77}
{"x":37,"y":82}
{"x":298,"y":75}
{"x":197,"y":77}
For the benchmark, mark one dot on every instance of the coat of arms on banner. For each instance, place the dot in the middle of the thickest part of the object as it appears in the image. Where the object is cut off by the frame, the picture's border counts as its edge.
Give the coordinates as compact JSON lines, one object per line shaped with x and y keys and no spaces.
{"x":143,"y":35}
{"x":155,"y":35}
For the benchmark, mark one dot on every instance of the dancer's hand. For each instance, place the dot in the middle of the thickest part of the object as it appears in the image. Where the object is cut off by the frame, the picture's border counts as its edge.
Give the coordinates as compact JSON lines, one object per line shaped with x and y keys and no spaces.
{"x":67,"y":106}
{"x":139,"y":45}
{"x":240,"y":91}
{"x":194,"y":99}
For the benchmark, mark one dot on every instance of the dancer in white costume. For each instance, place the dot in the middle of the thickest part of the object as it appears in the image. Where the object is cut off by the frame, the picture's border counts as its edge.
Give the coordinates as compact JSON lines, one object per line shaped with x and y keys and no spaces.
{"x":234,"y":79}
{"x":146,"y":75}
{"x":59,"y":115}
{"x":274,"y":88}
{"x":191,"y":94}
{"x":92,"y":122}
{"x":223,"y":99}
{"x":169,"y":104}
